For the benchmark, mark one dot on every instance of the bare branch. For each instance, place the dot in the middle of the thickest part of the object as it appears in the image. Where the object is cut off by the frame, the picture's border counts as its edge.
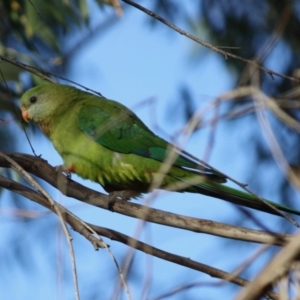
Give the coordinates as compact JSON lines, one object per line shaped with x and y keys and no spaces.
{"x":76,"y":224}
{"x":26,"y":68}
{"x":207,"y":45}
{"x":278,"y":267}
{"x":69,"y":238}
{"x":70,"y":188}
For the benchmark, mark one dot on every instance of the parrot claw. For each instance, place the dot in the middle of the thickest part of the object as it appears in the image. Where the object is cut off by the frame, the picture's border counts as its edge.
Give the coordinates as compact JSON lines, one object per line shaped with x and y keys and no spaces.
{"x":125,"y":195}
{"x":63,"y":169}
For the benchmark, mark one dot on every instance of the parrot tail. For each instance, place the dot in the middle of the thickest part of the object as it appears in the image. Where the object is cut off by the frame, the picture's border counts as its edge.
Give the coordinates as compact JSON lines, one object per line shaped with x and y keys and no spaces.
{"x":235,"y":196}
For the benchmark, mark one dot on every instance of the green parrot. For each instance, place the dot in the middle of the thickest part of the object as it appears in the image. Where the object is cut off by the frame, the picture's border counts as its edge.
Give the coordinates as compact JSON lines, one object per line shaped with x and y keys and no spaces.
{"x":104,"y":141}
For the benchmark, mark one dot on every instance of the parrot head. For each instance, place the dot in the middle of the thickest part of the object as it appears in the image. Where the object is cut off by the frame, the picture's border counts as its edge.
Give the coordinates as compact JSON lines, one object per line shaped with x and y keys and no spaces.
{"x":45,"y":100}
{"x":37,"y":103}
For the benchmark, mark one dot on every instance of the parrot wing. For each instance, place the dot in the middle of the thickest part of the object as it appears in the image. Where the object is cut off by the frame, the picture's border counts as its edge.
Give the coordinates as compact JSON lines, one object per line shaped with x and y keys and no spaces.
{"x":115,"y":127}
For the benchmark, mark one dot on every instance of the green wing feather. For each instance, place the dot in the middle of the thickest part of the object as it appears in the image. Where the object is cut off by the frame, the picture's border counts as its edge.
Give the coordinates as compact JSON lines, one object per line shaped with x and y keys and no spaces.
{"x":117,"y":128}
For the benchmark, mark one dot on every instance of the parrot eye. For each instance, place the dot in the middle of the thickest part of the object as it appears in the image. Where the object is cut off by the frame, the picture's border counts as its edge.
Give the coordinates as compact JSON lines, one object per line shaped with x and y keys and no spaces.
{"x":33,"y":99}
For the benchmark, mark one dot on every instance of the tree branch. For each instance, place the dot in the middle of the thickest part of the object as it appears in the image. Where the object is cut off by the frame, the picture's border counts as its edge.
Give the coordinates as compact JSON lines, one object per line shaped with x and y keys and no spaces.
{"x":277,"y":268}
{"x":70,"y":188}
{"x":207,"y":45}
{"x":77,"y":225}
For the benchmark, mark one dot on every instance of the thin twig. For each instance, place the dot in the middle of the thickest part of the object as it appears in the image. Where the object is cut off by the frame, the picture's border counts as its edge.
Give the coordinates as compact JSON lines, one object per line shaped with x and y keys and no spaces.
{"x":27,"y":68}
{"x":17,"y":111}
{"x":207,"y":45}
{"x":43,"y":74}
{"x":34,"y":183}
{"x":278,"y":267}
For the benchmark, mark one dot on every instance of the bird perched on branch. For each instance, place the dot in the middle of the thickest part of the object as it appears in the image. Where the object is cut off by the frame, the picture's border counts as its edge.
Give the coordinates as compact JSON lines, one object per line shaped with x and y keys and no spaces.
{"x":104,"y":141}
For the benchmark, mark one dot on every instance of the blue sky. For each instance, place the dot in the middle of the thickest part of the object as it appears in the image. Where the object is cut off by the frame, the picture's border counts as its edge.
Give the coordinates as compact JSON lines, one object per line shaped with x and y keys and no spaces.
{"x":132,"y":63}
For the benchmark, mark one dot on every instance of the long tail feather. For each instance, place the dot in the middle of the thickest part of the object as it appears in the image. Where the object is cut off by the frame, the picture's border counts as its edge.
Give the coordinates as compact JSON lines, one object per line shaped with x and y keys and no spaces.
{"x":235,"y":196}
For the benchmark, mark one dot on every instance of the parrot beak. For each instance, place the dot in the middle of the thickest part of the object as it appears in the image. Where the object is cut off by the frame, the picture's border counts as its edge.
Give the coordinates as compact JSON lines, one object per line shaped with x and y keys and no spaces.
{"x":25,"y":115}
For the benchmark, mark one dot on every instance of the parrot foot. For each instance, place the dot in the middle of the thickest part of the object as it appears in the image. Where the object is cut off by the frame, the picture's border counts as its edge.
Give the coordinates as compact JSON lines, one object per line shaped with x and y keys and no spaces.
{"x":124,"y":195}
{"x":63,"y":169}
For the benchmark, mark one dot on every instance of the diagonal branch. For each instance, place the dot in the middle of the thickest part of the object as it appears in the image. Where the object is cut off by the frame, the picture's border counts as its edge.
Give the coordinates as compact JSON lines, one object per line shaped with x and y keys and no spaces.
{"x":279,"y":266}
{"x":207,"y":45}
{"x":70,"y":188}
{"x":57,"y":211}
{"x":77,"y":225}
